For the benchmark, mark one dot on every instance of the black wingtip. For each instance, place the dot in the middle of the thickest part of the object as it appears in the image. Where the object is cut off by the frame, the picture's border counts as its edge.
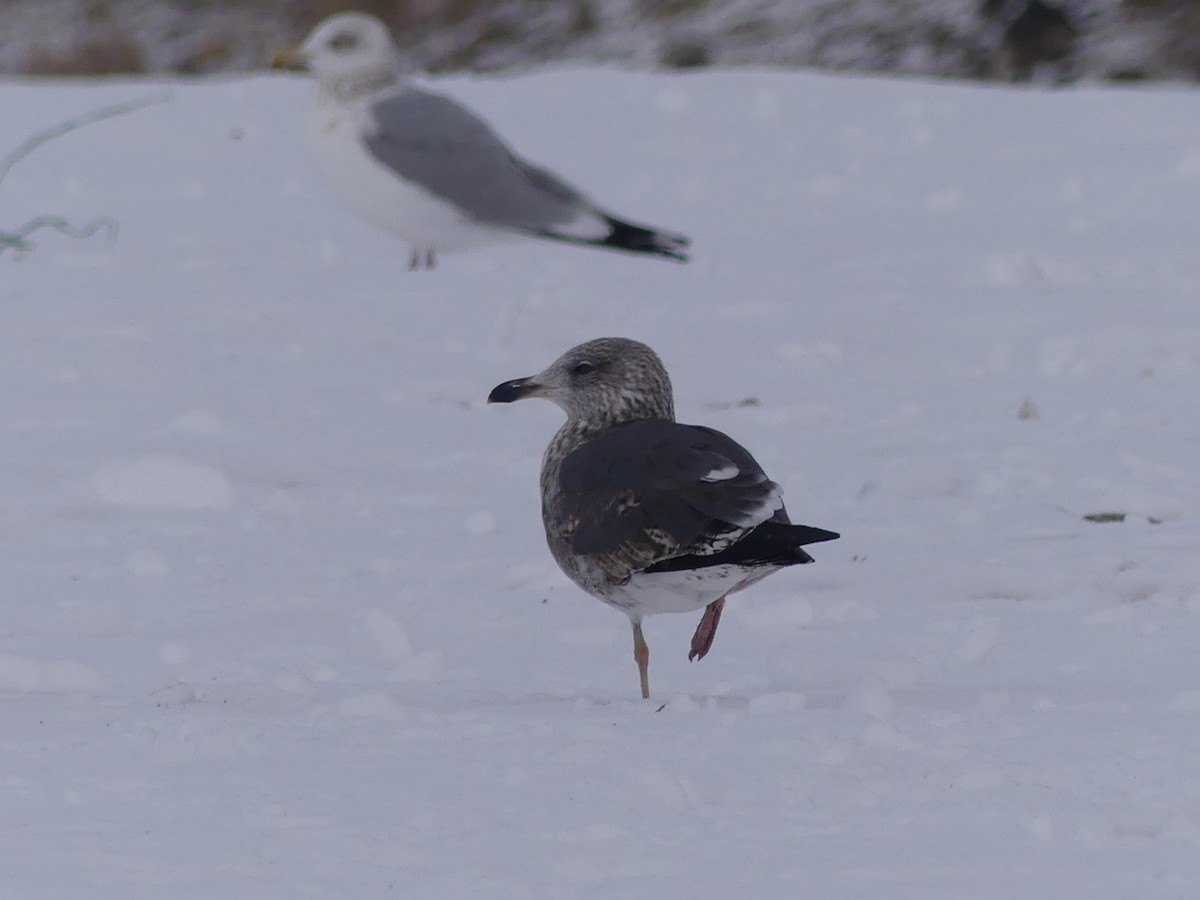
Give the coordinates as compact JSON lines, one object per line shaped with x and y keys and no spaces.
{"x":770,"y":544}
{"x":639,"y":239}
{"x":807,"y":534}
{"x":631,"y":238}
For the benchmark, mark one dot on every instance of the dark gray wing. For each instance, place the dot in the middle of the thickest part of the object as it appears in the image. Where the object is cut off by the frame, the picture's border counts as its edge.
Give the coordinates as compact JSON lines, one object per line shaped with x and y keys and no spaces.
{"x":650,"y":490}
{"x":453,"y":154}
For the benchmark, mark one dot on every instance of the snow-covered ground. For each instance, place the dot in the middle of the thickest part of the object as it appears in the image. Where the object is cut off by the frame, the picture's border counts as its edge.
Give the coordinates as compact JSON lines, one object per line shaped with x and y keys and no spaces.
{"x":278,"y":619}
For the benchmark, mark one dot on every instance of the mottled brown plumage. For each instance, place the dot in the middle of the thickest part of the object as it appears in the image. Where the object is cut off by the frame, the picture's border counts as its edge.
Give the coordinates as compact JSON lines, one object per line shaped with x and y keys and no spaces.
{"x":645,"y":513}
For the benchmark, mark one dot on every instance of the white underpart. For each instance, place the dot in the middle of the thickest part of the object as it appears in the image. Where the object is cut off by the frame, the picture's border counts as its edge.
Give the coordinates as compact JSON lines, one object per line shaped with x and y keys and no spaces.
{"x":652,"y":593}
{"x":377,"y":194}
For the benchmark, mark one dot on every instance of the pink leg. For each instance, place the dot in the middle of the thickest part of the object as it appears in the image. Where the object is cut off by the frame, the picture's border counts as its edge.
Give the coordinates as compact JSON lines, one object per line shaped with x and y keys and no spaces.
{"x":641,"y":655}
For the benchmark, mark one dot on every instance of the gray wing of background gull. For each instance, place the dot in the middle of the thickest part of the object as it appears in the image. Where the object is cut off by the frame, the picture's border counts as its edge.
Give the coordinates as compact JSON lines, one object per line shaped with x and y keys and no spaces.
{"x":653,"y":495}
{"x":447,"y":150}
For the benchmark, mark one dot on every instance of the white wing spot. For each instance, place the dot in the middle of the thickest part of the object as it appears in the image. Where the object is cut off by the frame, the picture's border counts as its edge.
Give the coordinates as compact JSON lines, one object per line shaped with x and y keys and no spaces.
{"x":759,"y":514}
{"x":722,"y":473}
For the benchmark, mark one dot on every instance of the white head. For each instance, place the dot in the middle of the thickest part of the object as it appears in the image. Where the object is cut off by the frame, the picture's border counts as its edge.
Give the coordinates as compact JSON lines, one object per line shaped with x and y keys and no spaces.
{"x":347,"y":52}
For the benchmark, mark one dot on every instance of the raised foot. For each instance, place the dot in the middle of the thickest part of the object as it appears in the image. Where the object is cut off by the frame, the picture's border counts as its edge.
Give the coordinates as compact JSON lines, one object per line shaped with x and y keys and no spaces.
{"x":706,"y":631}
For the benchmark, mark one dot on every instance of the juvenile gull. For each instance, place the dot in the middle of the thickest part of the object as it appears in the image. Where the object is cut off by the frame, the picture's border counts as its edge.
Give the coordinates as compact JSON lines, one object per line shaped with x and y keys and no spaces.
{"x":421,"y":166}
{"x":643,"y":512}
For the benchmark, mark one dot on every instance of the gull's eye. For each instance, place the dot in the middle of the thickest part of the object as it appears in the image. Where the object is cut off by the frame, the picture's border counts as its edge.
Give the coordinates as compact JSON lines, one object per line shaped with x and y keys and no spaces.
{"x":343,"y":40}
{"x":583,"y":368}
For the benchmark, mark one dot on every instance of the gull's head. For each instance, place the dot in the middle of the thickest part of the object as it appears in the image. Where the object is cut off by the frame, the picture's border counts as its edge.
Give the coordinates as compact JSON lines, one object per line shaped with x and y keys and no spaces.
{"x":600,"y":383}
{"x":343,"y":52}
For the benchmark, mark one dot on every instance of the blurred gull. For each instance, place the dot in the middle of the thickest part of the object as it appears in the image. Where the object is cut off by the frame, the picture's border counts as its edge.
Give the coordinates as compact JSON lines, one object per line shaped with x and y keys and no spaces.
{"x":428,"y":170}
{"x":642,"y":512}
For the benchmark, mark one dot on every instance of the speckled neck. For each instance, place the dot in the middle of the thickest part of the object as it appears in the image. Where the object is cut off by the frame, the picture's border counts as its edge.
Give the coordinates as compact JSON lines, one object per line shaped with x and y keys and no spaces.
{"x":579,"y":429}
